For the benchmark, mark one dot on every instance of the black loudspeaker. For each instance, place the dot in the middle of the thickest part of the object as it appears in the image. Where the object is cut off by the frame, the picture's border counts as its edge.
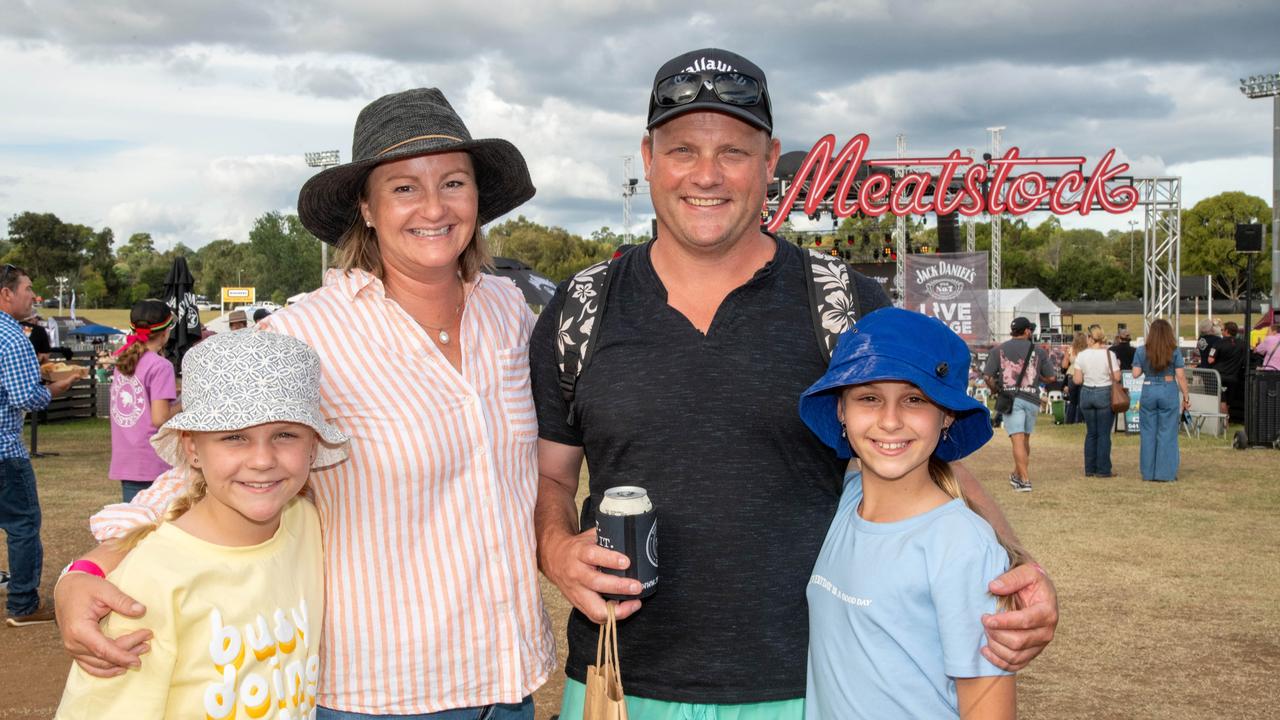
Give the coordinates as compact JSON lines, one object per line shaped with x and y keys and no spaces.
{"x":948,"y":233}
{"x":1248,"y":237}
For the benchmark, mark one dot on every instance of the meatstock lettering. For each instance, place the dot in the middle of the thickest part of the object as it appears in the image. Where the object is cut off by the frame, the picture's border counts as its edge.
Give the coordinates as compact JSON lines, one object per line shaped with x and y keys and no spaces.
{"x":984,"y":187}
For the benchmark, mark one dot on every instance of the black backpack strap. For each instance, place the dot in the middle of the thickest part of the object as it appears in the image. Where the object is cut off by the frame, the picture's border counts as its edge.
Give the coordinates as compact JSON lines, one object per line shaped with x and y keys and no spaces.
{"x":833,"y":299}
{"x":579,"y":323}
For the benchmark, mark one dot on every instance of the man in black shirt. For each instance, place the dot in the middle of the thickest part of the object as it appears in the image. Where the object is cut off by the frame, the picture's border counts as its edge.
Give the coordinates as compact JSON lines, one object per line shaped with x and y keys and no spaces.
{"x":1123,"y":349}
{"x":38,"y":336}
{"x":705,"y":344}
{"x":1227,"y":357}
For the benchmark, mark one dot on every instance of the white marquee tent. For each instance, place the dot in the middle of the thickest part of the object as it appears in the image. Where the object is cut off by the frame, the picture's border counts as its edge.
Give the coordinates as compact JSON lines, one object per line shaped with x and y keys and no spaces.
{"x":1025,"y":302}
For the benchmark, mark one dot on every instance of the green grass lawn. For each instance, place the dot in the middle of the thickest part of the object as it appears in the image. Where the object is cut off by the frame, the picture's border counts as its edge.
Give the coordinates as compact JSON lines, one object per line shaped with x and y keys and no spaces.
{"x":1170,"y":593}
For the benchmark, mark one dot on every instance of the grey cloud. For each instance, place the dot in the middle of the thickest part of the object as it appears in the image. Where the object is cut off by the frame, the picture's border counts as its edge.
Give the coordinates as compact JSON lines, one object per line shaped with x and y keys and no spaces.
{"x":325,"y":82}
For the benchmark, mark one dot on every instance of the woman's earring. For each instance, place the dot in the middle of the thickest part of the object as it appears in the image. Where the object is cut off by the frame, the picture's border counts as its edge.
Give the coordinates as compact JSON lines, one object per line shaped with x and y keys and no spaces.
{"x":946,"y":433}
{"x":842,"y":433}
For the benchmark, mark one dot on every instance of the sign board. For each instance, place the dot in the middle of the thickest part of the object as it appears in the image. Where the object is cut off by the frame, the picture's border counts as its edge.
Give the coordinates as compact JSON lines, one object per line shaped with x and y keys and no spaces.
{"x":244,"y":295}
{"x":953,"y":288}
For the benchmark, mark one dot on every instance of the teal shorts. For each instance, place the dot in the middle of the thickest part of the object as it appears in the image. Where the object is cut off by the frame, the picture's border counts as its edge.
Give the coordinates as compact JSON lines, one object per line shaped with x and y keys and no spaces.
{"x":646,"y":709}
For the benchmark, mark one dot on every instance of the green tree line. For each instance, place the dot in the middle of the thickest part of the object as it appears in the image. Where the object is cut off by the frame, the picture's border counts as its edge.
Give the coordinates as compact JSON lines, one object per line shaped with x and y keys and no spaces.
{"x":279,"y":258}
{"x":1081,"y":264}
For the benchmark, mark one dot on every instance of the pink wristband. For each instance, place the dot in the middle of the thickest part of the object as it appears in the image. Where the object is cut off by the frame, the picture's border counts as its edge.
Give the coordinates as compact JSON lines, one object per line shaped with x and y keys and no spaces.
{"x":86,"y":566}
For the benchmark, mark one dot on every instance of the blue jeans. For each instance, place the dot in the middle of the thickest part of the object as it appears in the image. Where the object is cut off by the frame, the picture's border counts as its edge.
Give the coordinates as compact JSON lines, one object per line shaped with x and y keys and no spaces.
{"x":1160,"y":408}
{"x":507,"y":711}
{"x":1095,"y":405}
{"x":20,"y":520}
{"x":129,"y":488}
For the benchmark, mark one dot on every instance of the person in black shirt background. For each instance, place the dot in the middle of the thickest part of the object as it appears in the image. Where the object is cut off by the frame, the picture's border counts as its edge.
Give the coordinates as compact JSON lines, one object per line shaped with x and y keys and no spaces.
{"x":1123,"y":349}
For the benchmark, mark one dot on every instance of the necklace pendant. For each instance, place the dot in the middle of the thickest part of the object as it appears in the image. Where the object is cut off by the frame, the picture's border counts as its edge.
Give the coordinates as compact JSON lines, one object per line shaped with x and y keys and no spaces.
{"x":444,"y":337}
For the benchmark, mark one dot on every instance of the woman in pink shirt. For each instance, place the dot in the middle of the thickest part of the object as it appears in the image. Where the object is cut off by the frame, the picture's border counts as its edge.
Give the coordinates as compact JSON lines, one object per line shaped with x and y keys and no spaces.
{"x":143,"y":397}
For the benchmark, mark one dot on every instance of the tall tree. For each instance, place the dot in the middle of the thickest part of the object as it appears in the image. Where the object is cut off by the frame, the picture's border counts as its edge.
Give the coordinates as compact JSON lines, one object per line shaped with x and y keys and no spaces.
{"x":45,"y":246}
{"x":291,"y":254}
{"x":1209,"y":245}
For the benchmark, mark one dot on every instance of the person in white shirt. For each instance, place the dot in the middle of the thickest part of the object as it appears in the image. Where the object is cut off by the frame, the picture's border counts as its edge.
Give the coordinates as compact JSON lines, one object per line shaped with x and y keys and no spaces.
{"x":1095,"y":368}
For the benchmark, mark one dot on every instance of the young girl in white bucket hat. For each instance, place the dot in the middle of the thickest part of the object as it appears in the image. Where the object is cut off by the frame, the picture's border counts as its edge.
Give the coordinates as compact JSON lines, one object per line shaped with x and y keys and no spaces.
{"x":232,"y":578}
{"x":899,"y":589}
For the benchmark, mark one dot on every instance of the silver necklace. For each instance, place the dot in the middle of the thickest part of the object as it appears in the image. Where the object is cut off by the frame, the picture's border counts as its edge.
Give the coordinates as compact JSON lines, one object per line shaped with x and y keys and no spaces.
{"x":442,"y":333}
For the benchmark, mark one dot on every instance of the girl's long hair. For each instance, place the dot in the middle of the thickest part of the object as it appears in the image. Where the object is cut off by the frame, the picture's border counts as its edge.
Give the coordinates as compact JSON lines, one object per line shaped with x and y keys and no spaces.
{"x":145,"y":313}
{"x":942,"y":475}
{"x":194,"y":493}
{"x":1160,"y":345}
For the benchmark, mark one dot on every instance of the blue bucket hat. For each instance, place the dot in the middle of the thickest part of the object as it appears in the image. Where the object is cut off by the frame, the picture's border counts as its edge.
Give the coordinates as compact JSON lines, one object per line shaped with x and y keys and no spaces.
{"x":896,"y":344}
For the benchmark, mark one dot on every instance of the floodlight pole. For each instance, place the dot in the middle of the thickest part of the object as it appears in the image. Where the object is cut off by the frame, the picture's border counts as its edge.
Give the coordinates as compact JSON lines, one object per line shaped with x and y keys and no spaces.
{"x":323,"y":159}
{"x":1260,"y":86}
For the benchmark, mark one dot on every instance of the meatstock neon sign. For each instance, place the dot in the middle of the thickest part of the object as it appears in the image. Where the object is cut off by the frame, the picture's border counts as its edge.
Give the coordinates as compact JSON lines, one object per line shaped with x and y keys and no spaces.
{"x":984,"y":187}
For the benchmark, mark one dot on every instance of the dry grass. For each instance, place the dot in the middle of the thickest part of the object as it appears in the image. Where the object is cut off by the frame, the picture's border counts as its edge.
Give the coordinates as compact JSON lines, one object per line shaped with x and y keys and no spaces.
{"x":1170,"y":594}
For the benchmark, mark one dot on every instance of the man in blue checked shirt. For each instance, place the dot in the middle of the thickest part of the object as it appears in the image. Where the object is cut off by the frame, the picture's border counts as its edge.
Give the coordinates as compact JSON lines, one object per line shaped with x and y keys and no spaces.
{"x":21,"y":391}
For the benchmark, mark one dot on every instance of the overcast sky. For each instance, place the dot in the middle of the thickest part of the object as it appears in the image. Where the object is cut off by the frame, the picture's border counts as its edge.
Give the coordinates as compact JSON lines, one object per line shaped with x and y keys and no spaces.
{"x":188,"y":119}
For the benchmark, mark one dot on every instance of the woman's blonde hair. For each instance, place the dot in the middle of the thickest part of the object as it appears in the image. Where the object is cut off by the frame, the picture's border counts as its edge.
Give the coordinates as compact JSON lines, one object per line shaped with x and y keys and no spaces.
{"x":1160,"y":345}
{"x":1079,"y":343}
{"x":1096,"y":334}
{"x":942,"y":475}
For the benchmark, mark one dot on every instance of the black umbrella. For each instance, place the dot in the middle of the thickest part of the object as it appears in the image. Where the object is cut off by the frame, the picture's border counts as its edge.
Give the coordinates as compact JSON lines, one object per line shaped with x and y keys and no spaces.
{"x":179,"y":294}
{"x":536,"y":288}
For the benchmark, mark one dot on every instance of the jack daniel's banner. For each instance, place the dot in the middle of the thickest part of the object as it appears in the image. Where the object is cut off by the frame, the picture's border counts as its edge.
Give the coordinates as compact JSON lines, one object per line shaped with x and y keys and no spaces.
{"x":953,"y":288}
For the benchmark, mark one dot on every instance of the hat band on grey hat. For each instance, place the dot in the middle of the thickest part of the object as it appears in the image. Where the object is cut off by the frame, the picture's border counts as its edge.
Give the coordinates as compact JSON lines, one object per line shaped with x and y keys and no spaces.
{"x":404,"y":125}
{"x":892,"y":344}
{"x":246,"y":378}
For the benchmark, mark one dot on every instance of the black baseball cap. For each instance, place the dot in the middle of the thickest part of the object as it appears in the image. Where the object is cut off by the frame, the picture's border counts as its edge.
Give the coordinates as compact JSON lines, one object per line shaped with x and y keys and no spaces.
{"x":1021,"y":324}
{"x":721,"y":74}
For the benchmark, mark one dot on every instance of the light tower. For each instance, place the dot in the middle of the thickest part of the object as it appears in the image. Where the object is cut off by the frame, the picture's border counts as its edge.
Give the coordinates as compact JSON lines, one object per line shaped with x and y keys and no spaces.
{"x":1260,"y":86}
{"x":324,"y":159}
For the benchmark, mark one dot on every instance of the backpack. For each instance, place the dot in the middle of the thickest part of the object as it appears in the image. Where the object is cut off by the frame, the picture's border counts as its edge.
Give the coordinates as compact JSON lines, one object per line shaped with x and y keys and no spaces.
{"x":833,"y":307}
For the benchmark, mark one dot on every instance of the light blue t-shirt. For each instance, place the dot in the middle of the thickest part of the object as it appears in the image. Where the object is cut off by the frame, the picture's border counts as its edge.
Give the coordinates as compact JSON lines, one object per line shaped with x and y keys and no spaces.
{"x":895,"y":612}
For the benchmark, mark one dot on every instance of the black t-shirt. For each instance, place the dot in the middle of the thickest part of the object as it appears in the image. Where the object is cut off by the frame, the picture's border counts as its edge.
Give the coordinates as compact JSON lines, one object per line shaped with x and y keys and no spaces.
{"x":1124,"y":353}
{"x":1227,"y":357}
{"x":743,"y":490}
{"x":38,"y":336}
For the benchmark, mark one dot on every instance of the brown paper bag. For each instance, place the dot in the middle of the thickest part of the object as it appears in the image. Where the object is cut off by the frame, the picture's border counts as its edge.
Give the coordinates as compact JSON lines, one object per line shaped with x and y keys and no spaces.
{"x":604,"y":700}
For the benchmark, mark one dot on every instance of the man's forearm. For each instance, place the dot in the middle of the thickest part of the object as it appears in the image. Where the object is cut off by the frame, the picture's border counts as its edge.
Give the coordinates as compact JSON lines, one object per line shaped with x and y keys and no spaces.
{"x":555,"y":514}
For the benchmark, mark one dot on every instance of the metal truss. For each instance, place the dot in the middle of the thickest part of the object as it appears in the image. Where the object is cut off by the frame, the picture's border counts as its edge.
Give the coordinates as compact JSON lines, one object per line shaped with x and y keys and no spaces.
{"x":1161,"y":201}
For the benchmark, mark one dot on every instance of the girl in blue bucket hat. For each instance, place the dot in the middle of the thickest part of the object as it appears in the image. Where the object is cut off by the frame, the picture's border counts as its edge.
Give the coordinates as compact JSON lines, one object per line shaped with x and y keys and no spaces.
{"x":898,"y":592}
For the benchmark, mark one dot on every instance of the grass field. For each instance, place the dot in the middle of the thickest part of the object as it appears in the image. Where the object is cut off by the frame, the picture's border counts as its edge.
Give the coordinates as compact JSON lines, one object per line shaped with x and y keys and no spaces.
{"x":1170,"y":594}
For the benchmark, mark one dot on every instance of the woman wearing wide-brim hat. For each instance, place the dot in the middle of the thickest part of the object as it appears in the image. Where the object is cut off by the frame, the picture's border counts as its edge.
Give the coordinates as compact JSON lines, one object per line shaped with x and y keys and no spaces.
{"x":432,"y":597}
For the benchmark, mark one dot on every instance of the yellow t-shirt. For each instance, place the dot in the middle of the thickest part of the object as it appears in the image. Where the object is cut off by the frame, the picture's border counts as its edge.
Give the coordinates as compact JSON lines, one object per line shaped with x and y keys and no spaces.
{"x":237,"y":629}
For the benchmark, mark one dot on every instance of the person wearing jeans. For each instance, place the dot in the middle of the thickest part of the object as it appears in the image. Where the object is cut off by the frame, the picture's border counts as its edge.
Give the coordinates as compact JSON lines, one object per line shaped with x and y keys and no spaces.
{"x":1160,"y":365}
{"x":21,"y":391}
{"x":1095,"y":368}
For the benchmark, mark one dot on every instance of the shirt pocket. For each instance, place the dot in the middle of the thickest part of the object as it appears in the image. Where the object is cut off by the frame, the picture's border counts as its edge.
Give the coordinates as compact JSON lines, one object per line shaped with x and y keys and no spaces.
{"x":516,"y":393}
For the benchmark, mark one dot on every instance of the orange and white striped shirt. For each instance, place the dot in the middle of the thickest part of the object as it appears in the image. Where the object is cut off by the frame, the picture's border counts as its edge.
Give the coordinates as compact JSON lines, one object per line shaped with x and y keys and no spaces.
{"x":431,"y":582}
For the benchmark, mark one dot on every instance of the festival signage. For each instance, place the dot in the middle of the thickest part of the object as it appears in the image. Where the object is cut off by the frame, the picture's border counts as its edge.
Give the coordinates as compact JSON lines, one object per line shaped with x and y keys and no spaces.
{"x":953,"y":288}
{"x":989,"y":187}
{"x":232,"y":295}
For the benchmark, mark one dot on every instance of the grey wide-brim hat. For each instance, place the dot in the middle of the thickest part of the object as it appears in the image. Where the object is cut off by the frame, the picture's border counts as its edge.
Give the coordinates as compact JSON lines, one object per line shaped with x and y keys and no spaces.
{"x":236,"y":380}
{"x":402,"y":125}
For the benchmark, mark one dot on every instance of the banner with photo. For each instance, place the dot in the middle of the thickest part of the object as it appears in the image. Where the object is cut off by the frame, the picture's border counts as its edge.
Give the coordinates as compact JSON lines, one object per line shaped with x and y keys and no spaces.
{"x":953,"y":288}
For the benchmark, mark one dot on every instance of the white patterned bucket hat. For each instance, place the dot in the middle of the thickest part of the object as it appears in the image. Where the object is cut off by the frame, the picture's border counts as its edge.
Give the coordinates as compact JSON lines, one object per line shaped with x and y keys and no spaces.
{"x":240,"y":379}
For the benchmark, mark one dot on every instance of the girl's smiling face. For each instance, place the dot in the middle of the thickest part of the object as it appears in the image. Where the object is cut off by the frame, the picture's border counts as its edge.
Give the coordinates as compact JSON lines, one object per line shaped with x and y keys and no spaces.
{"x":892,"y":426}
{"x":251,"y":474}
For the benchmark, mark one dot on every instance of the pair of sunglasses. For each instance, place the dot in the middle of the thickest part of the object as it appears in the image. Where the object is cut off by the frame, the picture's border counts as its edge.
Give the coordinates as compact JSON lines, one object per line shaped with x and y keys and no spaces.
{"x":730,"y":87}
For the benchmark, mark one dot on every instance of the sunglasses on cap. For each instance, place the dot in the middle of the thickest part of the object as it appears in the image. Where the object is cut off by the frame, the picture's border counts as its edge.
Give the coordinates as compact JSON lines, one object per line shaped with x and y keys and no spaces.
{"x":731,"y":88}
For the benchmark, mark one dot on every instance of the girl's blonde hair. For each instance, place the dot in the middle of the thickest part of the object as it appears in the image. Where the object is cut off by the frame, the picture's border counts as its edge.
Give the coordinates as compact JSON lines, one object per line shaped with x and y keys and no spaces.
{"x":194,"y":493}
{"x":942,"y":475}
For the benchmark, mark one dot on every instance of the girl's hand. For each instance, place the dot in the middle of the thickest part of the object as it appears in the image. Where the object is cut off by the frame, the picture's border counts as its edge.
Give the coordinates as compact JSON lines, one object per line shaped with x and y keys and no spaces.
{"x":1015,"y":638}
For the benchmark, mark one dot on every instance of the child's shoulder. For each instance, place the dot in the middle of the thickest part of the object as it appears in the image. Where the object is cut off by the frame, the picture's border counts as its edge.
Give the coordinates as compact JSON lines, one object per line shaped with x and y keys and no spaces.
{"x":957,"y":529}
